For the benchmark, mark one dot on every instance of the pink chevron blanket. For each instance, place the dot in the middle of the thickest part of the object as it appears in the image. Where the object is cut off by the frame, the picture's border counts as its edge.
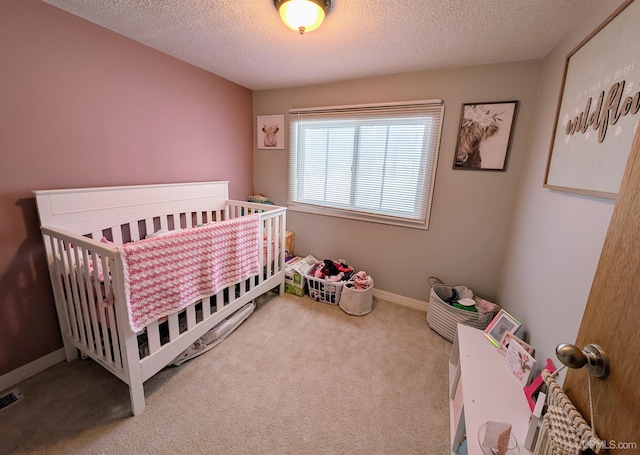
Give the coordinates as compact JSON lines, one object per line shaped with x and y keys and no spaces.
{"x":165,"y":274}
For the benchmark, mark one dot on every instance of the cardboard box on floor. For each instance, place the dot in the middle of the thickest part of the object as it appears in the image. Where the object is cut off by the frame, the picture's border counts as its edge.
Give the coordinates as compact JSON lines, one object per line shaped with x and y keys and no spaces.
{"x":289,"y":244}
{"x":294,"y":271}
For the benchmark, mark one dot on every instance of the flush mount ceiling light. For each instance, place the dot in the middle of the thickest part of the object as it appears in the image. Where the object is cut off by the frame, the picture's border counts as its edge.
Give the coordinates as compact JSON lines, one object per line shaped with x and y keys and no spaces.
{"x":302,"y":15}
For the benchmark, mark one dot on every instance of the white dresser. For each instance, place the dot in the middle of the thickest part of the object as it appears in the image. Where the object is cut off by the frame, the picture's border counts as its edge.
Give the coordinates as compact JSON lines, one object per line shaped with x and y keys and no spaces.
{"x":481,"y":389}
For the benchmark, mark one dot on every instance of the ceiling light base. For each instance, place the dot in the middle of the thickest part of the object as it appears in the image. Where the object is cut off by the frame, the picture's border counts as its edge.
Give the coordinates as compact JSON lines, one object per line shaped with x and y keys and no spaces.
{"x":302,"y":15}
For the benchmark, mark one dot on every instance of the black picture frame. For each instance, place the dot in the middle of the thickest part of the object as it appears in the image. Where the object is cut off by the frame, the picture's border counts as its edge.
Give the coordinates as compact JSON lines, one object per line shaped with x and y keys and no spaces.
{"x":485,"y":135}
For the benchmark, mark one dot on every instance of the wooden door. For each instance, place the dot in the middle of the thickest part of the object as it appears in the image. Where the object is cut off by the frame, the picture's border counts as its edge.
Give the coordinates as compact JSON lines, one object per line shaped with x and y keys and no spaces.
{"x":612,"y":320}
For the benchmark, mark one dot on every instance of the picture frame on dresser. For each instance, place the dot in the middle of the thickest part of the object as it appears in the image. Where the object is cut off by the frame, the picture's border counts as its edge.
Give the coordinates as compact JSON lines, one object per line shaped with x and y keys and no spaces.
{"x":501,"y":324}
{"x":509,"y":337}
{"x":533,"y":389}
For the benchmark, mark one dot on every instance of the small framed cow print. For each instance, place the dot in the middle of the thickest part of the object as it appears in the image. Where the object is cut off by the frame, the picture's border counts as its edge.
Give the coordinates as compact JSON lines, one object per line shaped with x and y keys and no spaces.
{"x":270,"y":132}
{"x":485,"y":135}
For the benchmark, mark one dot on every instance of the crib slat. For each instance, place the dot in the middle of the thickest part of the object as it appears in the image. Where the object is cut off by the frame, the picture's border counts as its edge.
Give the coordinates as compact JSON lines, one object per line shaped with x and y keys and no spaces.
{"x":148,"y":223}
{"x":269,"y":248}
{"x":206,"y":308}
{"x":64,"y":274}
{"x":134,"y":231}
{"x":75,"y":269}
{"x":84,"y":290}
{"x":153,"y":337}
{"x":70,"y":304}
{"x":115,"y":342}
{"x":97,"y":347}
{"x":116,"y":233}
{"x":112,"y":326}
{"x":101,"y":310}
{"x":279,"y":246}
{"x":191,"y":316}
{"x":198,"y":218}
{"x":176,"y":221}
{"x":174,"y":326}
{"x":189,"y":219}
{"x":219,"y":301}
{"x":262,"y":253}
{"x":106,"y":354}
{"x":164,"y":222}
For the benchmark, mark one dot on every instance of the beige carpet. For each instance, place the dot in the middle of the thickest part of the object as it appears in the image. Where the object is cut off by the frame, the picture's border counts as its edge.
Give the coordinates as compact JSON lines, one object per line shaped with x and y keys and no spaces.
{"x":297,"y":377}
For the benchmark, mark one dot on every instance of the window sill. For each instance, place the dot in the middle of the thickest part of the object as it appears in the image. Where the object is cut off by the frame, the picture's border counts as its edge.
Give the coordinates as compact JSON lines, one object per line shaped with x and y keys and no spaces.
{"x":356,"y":216}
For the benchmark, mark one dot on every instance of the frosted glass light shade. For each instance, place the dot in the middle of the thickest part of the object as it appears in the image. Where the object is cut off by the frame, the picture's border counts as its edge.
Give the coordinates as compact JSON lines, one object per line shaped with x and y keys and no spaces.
{"x":301,"y":15}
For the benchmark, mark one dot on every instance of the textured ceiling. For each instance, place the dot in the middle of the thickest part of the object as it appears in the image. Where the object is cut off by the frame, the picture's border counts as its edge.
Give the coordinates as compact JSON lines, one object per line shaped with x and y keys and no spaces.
{"x":246,"y":42}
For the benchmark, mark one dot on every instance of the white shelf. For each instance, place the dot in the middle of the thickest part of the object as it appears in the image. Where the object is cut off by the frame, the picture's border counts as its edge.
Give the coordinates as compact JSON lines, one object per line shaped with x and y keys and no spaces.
{"x":485,"y":391}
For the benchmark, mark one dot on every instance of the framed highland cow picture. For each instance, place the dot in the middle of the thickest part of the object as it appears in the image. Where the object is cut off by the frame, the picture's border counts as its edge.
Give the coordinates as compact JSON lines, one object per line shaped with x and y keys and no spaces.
{"x":270,"y":132}
{"x":484,"y":138}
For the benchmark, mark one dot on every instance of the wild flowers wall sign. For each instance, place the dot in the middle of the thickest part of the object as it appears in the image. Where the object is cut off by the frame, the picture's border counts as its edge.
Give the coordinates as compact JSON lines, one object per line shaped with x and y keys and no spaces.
{"x":597,"y":113}
{"x":270,"y":132}
{"x":485,"y":133}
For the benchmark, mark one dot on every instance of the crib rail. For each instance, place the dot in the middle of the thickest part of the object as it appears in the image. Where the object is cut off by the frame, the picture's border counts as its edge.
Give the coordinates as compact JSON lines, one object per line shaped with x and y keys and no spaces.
{"x":78,"y":266}
{"x":88,"y":284}
{"x":273,"y":227}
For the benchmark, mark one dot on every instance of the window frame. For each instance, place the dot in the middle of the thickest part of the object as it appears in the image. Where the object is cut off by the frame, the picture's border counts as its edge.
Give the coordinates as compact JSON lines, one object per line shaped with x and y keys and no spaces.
{"x":432,"y":108}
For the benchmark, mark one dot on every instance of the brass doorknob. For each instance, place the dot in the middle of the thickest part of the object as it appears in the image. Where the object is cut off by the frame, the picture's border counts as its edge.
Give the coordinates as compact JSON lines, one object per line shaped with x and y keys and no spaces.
{"x":592,"y":356}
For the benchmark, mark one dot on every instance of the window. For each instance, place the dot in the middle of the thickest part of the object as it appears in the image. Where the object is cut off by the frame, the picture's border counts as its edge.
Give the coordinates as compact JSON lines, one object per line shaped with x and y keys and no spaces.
{"x":366,"y":162}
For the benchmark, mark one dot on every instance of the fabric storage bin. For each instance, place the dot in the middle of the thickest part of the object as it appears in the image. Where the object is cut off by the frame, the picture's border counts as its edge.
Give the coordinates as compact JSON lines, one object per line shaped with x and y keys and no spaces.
{"x":444,"y":318}
{"x":357,"y":302}
{"x":322,"y":290}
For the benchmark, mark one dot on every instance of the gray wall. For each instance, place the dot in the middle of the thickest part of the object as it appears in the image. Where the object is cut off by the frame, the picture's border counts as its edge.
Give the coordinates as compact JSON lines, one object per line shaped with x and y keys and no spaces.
{"x":557,"y":237}
{"x":472,"y":210}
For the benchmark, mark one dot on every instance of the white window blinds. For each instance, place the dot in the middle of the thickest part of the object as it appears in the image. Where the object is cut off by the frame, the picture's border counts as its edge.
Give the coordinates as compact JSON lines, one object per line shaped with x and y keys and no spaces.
{"x":368,"y":162}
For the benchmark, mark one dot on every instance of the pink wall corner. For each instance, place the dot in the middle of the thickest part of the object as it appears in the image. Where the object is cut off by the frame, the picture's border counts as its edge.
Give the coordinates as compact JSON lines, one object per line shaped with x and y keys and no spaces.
{"x":83,"y":106}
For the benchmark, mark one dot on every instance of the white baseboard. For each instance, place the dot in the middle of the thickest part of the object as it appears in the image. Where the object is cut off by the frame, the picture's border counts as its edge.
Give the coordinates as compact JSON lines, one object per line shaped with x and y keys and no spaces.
{"x":30,"y":369}
{"x":401,"y":300}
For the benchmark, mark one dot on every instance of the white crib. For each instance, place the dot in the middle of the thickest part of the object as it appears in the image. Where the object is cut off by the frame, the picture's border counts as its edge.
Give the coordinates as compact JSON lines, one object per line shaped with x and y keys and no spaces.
{"x":73,"y":222}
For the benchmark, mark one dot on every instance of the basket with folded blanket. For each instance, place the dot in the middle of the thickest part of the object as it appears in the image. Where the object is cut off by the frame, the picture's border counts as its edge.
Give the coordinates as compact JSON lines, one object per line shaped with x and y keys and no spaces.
{"x":453,"y":305}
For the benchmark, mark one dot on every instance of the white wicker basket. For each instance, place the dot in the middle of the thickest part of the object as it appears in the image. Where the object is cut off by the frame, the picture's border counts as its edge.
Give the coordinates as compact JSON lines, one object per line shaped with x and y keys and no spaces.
{"x":326,"y":291}
{"x":444,"y":318}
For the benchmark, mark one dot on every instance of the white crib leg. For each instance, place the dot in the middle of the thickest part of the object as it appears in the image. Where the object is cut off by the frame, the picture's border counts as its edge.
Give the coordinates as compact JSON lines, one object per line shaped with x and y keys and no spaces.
{"x":70,"y":351}
{"x":136,"y":393}
{"x":131,"y":365}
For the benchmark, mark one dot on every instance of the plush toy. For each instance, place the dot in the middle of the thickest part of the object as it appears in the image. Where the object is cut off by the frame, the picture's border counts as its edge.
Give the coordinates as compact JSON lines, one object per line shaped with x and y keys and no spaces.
{"x":258,"y":197}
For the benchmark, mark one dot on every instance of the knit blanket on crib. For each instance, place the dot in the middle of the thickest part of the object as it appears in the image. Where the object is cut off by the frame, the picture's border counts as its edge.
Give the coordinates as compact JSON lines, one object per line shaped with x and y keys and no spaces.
{"x":165,"y":274}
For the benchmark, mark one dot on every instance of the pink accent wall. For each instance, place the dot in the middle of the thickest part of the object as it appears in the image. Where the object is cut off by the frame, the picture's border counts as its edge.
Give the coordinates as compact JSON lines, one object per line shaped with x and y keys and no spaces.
{"x":83,"y":106}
